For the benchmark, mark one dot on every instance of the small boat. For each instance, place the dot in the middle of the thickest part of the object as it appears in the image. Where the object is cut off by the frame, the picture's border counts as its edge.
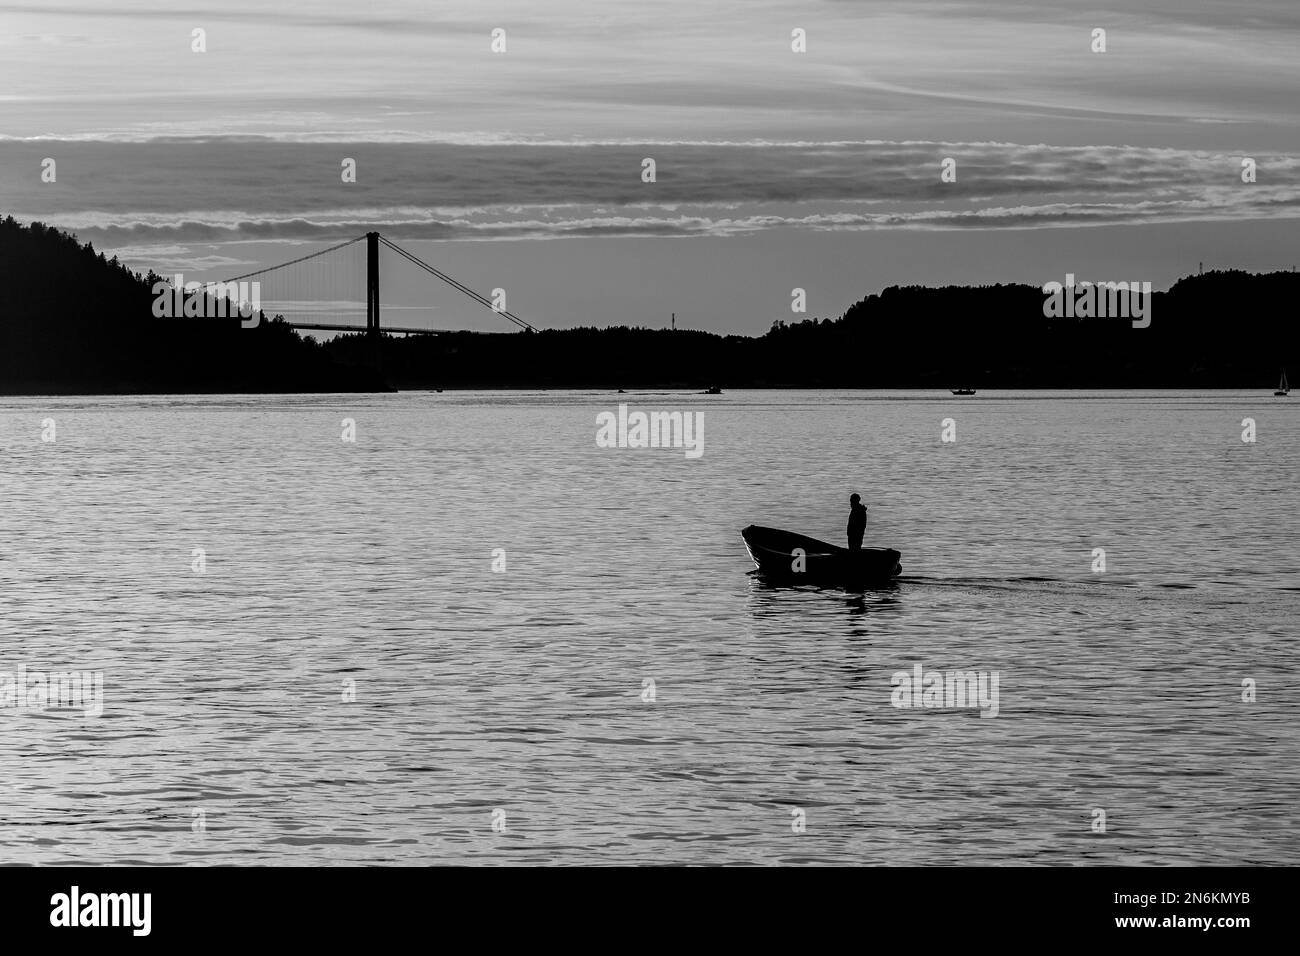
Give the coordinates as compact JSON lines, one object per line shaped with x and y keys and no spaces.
{"x":622,"y":391}
{"x":963,"y":391}
{"x":712,"y":390}
{"x":776,"y":553}
{"x":1283,"y":389}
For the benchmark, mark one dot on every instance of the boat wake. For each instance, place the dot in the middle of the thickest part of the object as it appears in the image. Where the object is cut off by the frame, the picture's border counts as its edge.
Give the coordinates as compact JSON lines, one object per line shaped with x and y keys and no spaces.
{"x":1211,"y":590}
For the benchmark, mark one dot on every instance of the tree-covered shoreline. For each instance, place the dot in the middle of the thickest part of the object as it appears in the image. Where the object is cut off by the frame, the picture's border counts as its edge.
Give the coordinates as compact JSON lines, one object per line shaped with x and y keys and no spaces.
{"x":75,"y":322}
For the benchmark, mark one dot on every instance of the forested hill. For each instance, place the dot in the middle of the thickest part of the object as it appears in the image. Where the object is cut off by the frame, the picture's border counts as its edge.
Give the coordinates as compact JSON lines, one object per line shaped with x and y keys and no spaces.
{"x":1218,"y":330}
{"x":72,"y":321}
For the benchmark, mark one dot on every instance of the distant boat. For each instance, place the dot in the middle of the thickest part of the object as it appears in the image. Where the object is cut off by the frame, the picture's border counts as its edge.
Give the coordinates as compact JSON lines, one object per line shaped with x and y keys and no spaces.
{"x":712,"y":390}
{"x":622,"y":391}
{"x":789,"y":558}
{"x":1282,"y":388}
{"x":963,"y":391}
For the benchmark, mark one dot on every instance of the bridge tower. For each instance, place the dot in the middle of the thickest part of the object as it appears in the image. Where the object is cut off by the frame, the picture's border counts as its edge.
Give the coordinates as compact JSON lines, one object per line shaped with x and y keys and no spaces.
{"x":372,"y":283}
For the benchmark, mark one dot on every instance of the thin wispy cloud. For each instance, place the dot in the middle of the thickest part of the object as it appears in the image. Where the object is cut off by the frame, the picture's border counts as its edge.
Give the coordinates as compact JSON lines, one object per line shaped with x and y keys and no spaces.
{"x":897,"y":66}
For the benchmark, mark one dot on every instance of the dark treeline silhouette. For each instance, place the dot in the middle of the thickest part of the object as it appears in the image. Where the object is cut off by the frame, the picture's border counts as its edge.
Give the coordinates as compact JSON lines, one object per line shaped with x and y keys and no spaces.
{"x":1218,"y":330}
{"x":72,"y":321}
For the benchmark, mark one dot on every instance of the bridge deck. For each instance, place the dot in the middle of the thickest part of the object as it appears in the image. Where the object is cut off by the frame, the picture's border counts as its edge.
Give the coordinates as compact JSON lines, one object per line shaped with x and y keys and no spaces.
{"x":327,"y":327}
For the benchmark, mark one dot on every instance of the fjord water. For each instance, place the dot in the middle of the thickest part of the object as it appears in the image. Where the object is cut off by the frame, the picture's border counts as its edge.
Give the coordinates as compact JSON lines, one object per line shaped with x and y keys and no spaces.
{"x":334,"y":568}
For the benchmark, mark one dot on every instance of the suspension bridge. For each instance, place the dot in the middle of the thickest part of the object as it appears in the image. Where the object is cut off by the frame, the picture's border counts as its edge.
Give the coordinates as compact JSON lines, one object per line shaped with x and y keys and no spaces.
{"x":335,"y":274}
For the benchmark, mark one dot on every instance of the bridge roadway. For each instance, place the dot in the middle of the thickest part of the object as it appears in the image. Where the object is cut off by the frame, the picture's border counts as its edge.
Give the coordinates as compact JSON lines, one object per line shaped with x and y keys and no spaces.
{"x":398,"y":330}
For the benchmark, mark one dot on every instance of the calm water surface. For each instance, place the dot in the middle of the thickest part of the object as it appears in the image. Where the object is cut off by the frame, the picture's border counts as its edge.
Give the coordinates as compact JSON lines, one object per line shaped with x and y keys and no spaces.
{"x":369,"y":566}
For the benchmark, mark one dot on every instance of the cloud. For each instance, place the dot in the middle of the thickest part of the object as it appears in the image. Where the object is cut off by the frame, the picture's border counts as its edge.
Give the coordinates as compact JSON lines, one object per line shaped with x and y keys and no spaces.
{"x":258,"y":14}
{"x":893,"y":66}
{"x":1226,"y":205}
{"x":220,"y":192}
{"x":178,"y":258}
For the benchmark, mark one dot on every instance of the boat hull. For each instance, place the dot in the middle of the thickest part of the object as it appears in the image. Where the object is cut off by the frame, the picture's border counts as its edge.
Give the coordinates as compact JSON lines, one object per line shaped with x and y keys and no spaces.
{"x":775,"y":554}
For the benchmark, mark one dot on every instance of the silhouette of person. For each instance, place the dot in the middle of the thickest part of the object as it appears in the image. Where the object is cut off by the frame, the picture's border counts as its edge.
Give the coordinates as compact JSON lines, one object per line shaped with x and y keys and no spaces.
{"x":857,"y":522}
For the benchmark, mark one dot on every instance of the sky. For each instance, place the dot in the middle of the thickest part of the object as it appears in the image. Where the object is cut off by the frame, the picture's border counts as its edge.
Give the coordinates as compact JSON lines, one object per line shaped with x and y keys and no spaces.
{"x":774,"y":169}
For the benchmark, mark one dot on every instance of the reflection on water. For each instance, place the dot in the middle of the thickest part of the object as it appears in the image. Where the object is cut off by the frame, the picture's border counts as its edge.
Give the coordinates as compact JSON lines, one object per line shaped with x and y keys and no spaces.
{"x":350,"y":680}
{"x":773,"y":600}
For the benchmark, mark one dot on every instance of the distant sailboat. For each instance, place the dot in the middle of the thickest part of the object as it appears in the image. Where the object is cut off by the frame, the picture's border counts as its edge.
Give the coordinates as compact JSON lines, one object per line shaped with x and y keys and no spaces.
{"x":1282,"y":387}
{"x":963,"y":391}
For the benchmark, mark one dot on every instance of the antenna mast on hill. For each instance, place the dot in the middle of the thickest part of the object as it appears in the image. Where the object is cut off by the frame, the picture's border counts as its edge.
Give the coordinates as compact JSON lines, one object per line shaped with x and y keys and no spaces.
{"x":674,"y":321}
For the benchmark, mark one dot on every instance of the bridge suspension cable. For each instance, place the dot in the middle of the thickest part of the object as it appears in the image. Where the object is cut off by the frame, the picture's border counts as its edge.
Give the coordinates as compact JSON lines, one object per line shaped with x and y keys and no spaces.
{"x":410,"y":257}
{"x":294,"y":262}
{"x":456,"y":285}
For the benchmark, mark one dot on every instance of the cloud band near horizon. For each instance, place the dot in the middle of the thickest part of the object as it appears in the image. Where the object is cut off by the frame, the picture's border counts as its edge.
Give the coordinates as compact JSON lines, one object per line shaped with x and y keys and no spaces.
{"x":212,"y":192}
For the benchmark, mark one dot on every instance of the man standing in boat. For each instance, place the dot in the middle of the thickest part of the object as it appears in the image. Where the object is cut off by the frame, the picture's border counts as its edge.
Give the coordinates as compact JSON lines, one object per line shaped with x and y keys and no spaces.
{"x":857,"y":522}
